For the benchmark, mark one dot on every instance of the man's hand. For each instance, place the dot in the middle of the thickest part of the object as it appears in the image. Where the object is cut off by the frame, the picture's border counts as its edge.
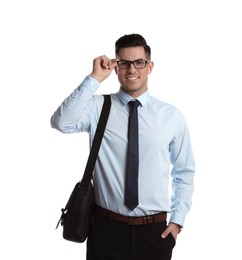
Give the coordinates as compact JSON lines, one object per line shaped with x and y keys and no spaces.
{"x":172,"y":228}
{"x":102,"y":67}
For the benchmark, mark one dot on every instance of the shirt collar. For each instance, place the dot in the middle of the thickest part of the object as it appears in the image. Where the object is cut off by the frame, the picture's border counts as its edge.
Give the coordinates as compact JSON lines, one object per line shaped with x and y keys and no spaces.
{"x":125,"y":98}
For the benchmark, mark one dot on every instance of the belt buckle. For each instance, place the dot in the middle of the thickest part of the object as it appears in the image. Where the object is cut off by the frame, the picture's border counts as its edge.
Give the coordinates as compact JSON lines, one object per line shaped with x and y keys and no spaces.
{"x":130,"y":220}
{"x":147,"y":219}
{"x":141,"y":220}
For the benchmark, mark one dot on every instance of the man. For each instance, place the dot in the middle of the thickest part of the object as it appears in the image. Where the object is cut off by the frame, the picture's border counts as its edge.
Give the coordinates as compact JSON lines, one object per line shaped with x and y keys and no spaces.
{"x":141,"y":231}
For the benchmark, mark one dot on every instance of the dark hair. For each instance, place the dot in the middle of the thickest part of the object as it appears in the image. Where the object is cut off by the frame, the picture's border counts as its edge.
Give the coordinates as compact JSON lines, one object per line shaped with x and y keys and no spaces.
{"x":132,"y":40}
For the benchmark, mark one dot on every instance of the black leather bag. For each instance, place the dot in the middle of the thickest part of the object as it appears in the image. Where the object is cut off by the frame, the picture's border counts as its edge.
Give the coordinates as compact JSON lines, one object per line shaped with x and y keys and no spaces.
{"x":77,"y":214}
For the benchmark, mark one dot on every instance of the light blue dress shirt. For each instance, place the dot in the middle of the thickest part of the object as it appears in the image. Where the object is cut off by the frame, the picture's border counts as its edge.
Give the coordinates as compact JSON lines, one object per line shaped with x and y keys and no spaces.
{"x":166,"y":163}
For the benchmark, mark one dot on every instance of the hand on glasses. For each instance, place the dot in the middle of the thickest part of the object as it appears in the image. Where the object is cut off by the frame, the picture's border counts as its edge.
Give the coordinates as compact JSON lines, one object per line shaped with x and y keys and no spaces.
{"x":102,"y":67}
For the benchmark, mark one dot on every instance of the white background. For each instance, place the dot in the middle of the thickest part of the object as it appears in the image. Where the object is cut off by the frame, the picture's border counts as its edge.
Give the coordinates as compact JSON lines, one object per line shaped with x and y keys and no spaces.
{"x":47,"y":48}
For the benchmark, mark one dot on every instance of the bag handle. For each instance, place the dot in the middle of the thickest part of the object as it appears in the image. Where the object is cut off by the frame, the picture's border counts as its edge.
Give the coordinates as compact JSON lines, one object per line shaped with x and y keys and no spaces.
{"x":87,"y":176}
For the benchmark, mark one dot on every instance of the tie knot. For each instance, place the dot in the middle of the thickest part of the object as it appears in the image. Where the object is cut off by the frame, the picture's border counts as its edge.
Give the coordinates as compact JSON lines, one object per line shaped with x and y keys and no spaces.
{"x":134,"y":103}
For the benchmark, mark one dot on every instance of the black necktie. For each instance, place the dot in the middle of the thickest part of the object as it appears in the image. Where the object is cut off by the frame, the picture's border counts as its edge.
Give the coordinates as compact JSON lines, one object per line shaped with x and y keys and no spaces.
{"x":131,"y":191}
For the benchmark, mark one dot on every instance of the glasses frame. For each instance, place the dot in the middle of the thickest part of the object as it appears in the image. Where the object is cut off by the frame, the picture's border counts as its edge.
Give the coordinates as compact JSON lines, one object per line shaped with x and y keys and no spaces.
{"x":129,"y":62}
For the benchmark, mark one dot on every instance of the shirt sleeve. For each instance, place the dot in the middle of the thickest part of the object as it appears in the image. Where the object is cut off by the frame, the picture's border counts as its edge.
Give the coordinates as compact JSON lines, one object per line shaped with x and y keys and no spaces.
{"x":182,"y":173}
{"x":73,"y":115}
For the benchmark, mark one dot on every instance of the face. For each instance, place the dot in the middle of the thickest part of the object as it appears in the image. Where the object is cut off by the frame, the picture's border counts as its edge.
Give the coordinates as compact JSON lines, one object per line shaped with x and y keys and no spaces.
{"x":133,"y":81}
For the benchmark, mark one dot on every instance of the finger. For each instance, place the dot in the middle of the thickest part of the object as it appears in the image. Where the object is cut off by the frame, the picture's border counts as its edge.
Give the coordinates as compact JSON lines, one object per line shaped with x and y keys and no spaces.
{"x":103,"y":61}
{"x":166,"y":232}
{"x":111,"y":63}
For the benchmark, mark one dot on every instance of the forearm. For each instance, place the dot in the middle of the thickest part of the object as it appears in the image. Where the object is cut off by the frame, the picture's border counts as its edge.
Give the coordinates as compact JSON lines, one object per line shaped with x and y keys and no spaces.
{"x":182,"y":186}
{"x":72,"y":115}
{"x":181,"y":202}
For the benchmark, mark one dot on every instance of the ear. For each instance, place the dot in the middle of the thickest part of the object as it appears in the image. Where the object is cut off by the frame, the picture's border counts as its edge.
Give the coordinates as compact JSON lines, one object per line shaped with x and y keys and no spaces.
{"x":116,"y":69}
{"x":150,"y":66}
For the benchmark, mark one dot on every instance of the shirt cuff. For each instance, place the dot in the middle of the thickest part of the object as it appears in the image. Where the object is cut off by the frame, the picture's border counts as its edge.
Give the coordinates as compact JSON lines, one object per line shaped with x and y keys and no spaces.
{"x":90,"y":83}
{"x":177,"y":218}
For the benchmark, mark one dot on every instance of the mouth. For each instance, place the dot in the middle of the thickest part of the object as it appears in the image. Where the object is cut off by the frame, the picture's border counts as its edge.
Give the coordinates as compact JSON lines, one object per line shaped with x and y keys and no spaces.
{"x":132,"y":78}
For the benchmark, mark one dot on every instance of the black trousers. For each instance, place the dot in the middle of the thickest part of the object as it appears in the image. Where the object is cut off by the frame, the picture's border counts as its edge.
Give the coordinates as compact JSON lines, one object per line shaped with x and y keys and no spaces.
{"x":112,"y":240}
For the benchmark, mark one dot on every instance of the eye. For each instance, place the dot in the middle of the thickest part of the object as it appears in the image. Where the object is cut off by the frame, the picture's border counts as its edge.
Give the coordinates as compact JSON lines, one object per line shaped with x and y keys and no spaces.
{"x":139,"y":62}
{"x":124,"y":62}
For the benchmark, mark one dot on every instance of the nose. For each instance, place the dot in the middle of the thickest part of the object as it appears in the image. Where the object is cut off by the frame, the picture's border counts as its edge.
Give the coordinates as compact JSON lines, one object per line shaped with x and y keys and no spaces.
{"x":132,"y":67}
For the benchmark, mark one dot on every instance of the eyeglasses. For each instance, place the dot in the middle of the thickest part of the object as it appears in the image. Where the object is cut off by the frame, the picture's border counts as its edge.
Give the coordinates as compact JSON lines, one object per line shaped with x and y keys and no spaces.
{"x":138,"y":64}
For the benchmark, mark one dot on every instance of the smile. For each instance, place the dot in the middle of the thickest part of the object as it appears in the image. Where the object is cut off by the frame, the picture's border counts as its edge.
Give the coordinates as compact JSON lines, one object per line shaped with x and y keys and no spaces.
{"x":132,"y":77}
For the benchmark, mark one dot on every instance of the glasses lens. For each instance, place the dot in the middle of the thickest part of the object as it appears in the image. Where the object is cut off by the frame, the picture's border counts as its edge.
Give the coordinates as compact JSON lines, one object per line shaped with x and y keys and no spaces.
{"x":139,"y":64}
{"x":124,"y":64}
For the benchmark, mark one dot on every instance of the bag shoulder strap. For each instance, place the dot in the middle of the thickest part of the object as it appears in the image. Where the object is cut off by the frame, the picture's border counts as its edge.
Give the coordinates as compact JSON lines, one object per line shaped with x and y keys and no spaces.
{"x":87,"y":176}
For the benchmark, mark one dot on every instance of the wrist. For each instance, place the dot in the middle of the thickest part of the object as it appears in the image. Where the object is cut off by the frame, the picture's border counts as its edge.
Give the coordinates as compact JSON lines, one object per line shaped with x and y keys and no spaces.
{"x":98,"y":79}
{"x":180,"y":227}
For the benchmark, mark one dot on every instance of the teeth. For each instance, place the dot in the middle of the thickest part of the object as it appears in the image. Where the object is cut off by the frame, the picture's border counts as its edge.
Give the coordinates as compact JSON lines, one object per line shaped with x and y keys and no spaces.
{"x":132,"y":78}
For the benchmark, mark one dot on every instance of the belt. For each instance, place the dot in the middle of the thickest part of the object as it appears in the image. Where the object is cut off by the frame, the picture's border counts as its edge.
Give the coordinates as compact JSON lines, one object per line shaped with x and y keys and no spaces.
{"x":130,"y":220}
